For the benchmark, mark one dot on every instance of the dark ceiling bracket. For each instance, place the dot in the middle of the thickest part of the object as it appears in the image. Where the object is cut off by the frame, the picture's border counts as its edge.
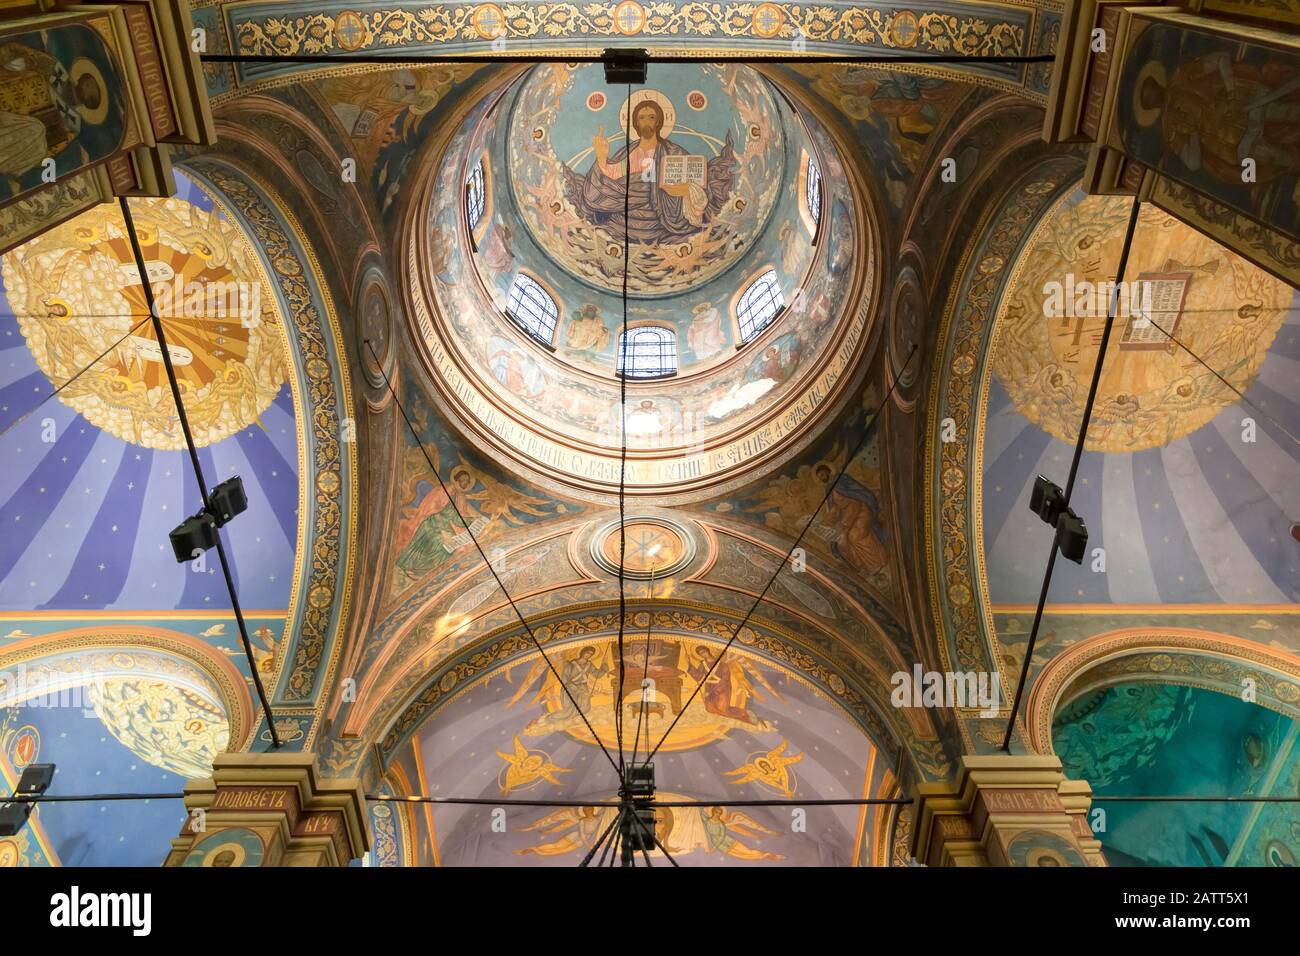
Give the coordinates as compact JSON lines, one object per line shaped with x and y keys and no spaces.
{"x":625,"y":66}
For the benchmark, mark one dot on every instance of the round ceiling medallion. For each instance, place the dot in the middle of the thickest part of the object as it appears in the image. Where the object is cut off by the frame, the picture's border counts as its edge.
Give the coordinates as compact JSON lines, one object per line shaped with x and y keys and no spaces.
{"x":1150,"y":394}
{"x":79,"y":296}
{"x":649,"y":545}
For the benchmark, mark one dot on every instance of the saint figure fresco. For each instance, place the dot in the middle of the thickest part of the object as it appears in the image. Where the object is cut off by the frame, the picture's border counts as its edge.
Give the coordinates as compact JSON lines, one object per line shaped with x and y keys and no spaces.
{"x":668,"y":198}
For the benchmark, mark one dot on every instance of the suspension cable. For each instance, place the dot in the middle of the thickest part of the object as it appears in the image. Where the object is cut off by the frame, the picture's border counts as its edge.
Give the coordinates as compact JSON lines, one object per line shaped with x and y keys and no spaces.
{"x":830,"y":488}
{"x":152,"y":306}
{"x":1111,"y":308}
{"x":479,"y":547}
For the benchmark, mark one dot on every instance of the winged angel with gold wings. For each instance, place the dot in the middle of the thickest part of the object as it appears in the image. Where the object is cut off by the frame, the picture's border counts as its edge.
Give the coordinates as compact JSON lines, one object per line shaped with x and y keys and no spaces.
{"x":681,"y":830}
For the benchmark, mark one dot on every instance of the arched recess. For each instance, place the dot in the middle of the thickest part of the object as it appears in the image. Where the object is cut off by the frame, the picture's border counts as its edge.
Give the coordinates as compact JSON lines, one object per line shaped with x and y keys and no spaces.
{"x":106,"y":650}
{"x":1182,"y":656}
{"x":494,"y":722}
{"x":1177,"y":712}
{"x":114,"y":708}
{"x":327,"y":461}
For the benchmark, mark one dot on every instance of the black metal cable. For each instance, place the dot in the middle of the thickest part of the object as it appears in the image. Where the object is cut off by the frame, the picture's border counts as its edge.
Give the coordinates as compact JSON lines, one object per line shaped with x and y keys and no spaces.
{"x":576,"y":57}
{"x":616,"y":842}
{"x":1111,"y":308}
{"x":147,"y":285}
{"x":613,"y":836}
{"x":645,"y":669}
{"x":586,"y":860}
{"x":681,"y":804}
{"x":89,"y":797}
{"x":622,"y":432}
{"x":575,"y":804}
{"x":95,"y":361}
{"x":830,"y":488}
{"x":1232,"y":388}
{"x":474,"y":538}
{"x":655,"y":837}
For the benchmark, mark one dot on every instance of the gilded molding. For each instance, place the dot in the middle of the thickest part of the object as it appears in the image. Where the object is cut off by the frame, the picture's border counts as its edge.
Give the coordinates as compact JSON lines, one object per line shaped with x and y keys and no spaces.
{"x":958,"y":589}
{"x":324,"y":403}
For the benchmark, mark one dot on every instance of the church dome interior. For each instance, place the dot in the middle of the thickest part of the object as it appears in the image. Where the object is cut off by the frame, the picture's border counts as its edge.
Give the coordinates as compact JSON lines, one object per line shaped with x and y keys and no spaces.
{"x":748,"y":283}
{"x":662,"y":434}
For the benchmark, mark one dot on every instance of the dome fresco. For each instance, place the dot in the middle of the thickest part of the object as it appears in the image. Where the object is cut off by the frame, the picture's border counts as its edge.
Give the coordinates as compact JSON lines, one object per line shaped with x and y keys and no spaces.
{"x":1173,"y":455}
{"x":707,"y":168}
{"x":865,"y":298}
{"x":557,"y":402}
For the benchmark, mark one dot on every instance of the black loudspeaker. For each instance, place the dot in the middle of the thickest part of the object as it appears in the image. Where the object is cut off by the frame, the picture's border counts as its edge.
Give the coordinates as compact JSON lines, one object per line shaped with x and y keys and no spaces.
{"x":12,"y":817}
{"x":641,"y":781}
{"x":638,"y":828}
{"x":193,"y":536}
{"x":1047,"y":500}
{"x":36,"y":778}
{"x":1072,"y":536}
{"x":228,"y":499}
{"x":625,"y":66}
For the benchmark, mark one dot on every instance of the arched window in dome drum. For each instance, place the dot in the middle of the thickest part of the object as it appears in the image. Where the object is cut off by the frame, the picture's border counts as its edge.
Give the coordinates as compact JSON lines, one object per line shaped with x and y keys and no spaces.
{"x":649,"y":351}
{"x":475,"y":195}
{"x":532,"y":308}
{"x":759,"y":305}
{"x":813,"y":189}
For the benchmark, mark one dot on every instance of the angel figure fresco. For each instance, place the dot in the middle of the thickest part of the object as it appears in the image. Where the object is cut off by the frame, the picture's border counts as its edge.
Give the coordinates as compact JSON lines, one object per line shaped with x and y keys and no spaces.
{"x":729,"y":689}
{"x":526,"y":767}
{"x":579,"y":828}
{"x":265,"y":650}
{"x":721,"y":828}
{"x":581,"y":673}
{"x":661,"y":209}
{"x":769,"y":770}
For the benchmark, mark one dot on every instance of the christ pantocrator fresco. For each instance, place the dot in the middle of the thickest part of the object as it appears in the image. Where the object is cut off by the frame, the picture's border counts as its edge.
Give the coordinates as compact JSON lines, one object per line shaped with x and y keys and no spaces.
{"x":671,"y":194}
{"x":703,"y":156}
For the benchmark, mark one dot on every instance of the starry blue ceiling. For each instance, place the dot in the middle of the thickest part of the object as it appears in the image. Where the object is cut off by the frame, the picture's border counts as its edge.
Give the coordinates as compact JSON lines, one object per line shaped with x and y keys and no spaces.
{"x":85,"y":515}
{"x":1204,"y":519}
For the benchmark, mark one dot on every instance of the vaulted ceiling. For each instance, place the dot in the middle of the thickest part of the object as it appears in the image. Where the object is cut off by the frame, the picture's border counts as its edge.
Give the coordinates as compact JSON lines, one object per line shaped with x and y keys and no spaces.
{"x":386,"y":392}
